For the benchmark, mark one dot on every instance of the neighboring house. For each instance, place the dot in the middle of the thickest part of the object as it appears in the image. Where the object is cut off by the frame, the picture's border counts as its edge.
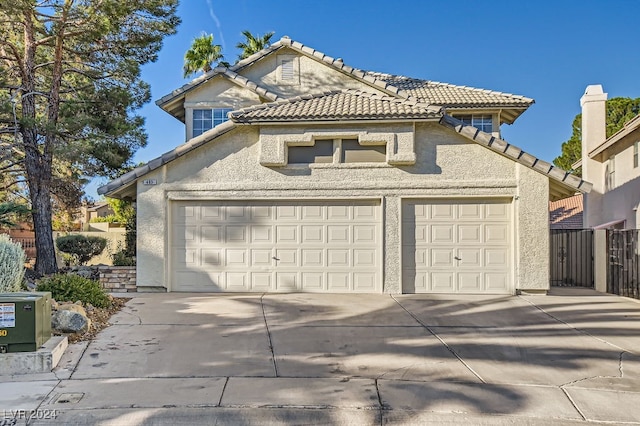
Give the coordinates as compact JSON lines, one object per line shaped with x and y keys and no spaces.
{"x":566,"y":213}
{"x":326,"y":178}
{"x":611,"y":164}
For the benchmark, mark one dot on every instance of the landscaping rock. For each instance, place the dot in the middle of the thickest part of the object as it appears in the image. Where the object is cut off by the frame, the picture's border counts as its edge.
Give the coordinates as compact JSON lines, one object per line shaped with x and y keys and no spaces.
{"x":67,"y":321}
{"x":74,"y":307}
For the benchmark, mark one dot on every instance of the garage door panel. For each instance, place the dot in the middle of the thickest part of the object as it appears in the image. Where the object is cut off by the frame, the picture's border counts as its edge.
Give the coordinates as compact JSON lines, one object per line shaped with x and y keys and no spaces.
{"x":470,"y":282}
{"x":211,"y":257}
{"x":261,"y":234}
{"x":315,"y":246}
{"x":286,"y":234}
{"x":338,"y":234}
{"x":210,"y":213}
{"x":442,"y":234}
{"x":442,"y":282}
{"x":442,"y":212}
{"x":338,"y":281}
{"x":286,"y":281}
{"x":261,"y":257}
{"x":338,"y":213}
{"x":456,"y":246}
{"x":497,"y":282}
{"x":237,"y":281}
{"x":470,"y":234}
{"x":312,"y":281}
{"x":236,"y":258}
{"x":469,"y":258}
{"x":262,"y":281}
{"x":312,"y":234}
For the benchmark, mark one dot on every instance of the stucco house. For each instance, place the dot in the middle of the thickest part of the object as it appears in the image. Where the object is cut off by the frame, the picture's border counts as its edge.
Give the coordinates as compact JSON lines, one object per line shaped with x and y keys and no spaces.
{"x":303,"y":174}
{"x":611,"y":164}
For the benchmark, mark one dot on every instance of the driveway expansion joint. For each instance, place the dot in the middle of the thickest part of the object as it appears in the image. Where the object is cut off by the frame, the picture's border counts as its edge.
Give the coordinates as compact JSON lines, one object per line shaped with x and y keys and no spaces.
{"x":266,"y":324}
{"x":449,"y":348}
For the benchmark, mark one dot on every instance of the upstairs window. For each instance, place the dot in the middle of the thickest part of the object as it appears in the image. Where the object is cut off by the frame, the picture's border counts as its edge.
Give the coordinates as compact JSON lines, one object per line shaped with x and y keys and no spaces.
{"x":482,"y":122}
{"x":635,"y":154}
{"x":610,"y":174}
{"x":337,"y":151}
{"x":207,"y":119}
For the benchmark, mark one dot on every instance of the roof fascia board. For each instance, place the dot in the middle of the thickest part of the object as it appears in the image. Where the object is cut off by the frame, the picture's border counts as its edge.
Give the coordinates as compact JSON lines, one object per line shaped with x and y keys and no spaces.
{"x":629,"y":127}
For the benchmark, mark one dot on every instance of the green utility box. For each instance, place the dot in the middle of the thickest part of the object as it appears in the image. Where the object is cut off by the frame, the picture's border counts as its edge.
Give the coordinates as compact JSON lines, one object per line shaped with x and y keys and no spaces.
{"x":25,"y":321}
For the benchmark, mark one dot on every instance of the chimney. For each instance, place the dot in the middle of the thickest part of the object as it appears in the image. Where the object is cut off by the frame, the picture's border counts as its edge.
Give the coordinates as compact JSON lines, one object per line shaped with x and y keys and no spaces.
{"x":594,"y":114}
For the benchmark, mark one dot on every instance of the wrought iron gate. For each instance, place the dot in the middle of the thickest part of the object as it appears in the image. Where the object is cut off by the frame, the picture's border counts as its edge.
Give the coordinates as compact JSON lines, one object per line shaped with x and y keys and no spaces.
{"x":623,"y":272}
{"x":571,"y":261}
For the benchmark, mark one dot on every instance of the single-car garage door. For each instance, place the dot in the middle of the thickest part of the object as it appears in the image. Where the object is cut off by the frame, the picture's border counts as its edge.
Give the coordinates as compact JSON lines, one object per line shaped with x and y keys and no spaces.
{"x":288,"y":246}
{"x":456,"y":246}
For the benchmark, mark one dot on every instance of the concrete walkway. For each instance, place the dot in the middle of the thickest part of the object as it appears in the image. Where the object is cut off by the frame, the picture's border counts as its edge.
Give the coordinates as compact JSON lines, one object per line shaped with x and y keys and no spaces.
{"x":569,"y":358}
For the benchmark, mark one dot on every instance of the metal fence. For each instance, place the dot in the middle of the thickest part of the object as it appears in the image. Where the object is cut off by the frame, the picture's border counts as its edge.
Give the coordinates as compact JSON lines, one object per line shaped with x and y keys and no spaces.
{"x":623,"y":258}
{"x":571,"y":261}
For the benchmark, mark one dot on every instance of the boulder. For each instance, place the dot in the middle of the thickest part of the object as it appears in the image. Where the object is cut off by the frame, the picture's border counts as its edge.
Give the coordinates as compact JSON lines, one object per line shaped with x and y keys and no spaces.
{"x":74,"y":307}
{"x":67,"y":321}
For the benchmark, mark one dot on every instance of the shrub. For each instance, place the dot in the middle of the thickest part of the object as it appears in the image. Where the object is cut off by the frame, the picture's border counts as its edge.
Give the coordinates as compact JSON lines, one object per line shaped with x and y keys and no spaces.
{"x":71,"y":288}
{"x":12,"y":260}
{"x":81,"y":246}
{"x":105,"y":219}
{"x":120,"y":258}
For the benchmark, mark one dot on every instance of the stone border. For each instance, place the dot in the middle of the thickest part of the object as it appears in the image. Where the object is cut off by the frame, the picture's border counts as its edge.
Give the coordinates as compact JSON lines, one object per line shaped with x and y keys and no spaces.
{"x":118,"y":279}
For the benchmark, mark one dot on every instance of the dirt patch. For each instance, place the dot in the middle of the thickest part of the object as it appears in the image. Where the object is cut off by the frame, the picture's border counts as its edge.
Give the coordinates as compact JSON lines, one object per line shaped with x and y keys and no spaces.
{"x":99,"y":319}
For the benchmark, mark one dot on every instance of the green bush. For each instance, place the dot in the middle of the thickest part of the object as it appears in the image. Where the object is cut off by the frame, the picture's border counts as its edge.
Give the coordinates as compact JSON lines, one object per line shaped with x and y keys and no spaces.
{"x":12,"y":260}
{"x":120,"y":258}
{"x":81,"y":246}
{"x":71,"y":288}
{"x":105,"y":219}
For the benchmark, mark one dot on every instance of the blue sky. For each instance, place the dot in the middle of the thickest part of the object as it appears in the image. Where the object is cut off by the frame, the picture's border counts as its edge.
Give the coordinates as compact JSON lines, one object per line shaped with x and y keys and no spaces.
{"x":546,"y":50}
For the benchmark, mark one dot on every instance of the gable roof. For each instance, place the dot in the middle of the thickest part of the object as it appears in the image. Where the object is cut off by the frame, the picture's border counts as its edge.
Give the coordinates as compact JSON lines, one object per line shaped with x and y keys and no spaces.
{"x":430,"y":92}
{"x":337,"y":105}
{"x":561,"y":183}
{"x":566,"y":213}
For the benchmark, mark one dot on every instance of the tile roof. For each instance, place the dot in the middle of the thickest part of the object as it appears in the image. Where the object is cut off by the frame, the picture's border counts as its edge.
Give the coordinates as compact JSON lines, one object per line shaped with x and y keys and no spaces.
{"x":566,"y":213}
{"x":434,"y":93}
{"x":449,"y":95}
{"x":337,"y":105}
{"x":568,"y":183}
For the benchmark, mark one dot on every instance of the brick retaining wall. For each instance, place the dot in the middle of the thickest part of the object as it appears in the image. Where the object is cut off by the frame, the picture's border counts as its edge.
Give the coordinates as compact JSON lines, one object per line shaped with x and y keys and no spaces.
{"x":118,"y":279}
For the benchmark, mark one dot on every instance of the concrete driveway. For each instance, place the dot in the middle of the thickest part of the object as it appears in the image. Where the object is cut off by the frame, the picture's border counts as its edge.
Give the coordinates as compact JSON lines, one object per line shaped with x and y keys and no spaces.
{"x":570,"y":357}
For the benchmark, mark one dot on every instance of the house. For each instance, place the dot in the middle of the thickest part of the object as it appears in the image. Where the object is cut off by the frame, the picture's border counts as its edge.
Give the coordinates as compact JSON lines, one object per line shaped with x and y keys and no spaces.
{"x":611,"y":164}
{"x":566,"y":213}
{"x":303,"y":174}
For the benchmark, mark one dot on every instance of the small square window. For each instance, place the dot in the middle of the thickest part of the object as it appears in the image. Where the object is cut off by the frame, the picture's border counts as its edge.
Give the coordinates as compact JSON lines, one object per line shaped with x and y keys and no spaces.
{"x":207,"y":119}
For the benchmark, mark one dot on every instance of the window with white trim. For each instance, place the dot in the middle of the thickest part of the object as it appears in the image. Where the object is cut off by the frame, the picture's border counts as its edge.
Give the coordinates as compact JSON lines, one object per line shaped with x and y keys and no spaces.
{"x":482,"y":122}
{"x":610,"y":173}
{"x":207,"y":119}
{"x":337,"y":151}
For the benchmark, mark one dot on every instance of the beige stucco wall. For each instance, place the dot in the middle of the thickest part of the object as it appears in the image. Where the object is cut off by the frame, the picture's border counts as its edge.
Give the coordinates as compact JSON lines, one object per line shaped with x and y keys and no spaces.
{"x":622,"y":201}
{"x":449,"y":166}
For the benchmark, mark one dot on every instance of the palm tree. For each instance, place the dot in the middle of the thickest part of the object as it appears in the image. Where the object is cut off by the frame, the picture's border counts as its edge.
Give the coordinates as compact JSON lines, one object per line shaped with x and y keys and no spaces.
{"x":253,"y":44}
{"x":201,"y":55}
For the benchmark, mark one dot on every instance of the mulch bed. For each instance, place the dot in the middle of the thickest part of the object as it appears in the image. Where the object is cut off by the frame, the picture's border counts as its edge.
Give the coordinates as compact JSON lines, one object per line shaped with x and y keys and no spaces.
{"x":99,"y":319}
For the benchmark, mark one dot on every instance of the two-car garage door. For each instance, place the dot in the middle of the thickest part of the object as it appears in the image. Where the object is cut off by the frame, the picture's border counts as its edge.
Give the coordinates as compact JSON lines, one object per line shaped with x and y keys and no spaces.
{"x":337,"y":246}
{"x":287,"y":246}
